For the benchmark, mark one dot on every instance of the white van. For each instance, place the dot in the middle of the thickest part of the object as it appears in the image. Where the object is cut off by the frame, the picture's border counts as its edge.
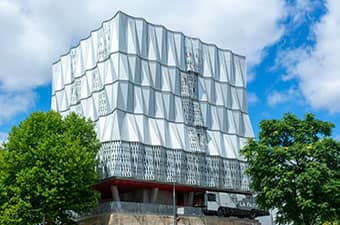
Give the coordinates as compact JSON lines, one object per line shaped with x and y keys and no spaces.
{"x":230,"y":204}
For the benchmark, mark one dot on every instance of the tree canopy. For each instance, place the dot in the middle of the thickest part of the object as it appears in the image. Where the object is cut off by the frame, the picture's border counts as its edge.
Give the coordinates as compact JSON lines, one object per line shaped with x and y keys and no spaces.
{"x":47,"y":167}
{"x":295,"y":168}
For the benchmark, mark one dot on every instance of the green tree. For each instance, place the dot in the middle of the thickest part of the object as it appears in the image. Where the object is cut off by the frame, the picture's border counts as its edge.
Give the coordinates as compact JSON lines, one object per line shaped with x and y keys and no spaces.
{"x":295,"y":168}
{"x":47,"y":167}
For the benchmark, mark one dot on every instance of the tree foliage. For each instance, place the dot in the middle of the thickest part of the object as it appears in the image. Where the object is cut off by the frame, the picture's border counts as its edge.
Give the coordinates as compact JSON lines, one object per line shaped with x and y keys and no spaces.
{"x":47,"y":167}
{"x":295,"y":168}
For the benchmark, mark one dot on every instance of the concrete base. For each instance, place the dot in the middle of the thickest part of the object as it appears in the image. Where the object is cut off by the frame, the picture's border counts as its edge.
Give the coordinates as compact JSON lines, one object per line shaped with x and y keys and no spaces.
{"x":130,"y":219}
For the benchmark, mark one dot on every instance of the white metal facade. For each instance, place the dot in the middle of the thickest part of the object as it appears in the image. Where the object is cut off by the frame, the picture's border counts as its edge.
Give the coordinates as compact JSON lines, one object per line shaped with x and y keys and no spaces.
{"x":166,"y":106}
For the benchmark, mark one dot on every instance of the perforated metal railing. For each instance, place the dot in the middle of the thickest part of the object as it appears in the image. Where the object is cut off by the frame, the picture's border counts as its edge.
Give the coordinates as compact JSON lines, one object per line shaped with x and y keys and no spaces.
{"x":247,"y":203}
{"x":156,"y":163}
{"x":140,"y":208}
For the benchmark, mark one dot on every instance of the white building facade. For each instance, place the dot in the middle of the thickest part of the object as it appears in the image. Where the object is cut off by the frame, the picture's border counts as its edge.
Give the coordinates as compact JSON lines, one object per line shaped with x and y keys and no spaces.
{"x":167,"y":107}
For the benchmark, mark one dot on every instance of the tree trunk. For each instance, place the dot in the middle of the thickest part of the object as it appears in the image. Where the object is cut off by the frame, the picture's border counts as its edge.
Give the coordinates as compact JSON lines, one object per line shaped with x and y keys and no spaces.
{"x":44,"y":220}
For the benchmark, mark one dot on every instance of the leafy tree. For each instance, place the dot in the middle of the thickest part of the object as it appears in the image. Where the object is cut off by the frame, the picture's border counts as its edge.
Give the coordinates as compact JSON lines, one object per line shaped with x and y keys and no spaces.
{"x":295,"y":168}
{"x":47,"y":167}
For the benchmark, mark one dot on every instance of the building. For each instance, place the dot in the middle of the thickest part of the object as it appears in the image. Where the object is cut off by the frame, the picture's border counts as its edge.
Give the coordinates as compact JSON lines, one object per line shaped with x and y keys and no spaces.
{"x":168,"y":108}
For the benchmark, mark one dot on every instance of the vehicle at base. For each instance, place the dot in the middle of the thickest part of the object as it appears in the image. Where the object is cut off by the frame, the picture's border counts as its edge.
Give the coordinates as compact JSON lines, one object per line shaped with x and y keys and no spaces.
{"x":230,"y":204}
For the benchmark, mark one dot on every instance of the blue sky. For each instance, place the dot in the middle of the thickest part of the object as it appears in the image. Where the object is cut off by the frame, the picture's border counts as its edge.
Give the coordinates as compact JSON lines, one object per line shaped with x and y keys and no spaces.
{"x":291,"y":46}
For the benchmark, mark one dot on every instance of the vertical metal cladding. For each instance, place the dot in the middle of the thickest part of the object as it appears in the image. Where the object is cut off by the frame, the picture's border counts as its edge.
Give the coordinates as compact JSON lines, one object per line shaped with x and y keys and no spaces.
{"x":167,"y":107}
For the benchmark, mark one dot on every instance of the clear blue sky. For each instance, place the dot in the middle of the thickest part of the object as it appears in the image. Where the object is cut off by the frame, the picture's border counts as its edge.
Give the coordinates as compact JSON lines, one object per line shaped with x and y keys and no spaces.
{"x":292,"y":48}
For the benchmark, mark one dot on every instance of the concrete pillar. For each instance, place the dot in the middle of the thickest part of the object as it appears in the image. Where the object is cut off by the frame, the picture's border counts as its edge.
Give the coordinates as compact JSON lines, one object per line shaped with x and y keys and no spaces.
{"x":188,"y":199}
{"x":154,"y":195}
{"x":191,"y":198}
{"x":115,"y":193}
{"x":146,"y":198}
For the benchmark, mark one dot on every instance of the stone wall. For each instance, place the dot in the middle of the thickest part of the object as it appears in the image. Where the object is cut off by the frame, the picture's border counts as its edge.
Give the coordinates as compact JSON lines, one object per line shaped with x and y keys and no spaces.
{"x":130,"y":219}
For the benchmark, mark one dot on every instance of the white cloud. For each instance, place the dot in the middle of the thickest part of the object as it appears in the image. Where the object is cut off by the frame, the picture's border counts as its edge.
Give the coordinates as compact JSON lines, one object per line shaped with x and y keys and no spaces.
{"x":289,"y":59}
{"x":287,"y":77}
{"x":318,"y":69}
{"x":3,"y":137}
{"x":300,"y":11}
{"x":15,"y":102}
{"x":252,"y":98}
{"x":250,"y":77}
{"x":320,"y":72}
{"x":277,"y":97}
{"x":36,"y":32}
